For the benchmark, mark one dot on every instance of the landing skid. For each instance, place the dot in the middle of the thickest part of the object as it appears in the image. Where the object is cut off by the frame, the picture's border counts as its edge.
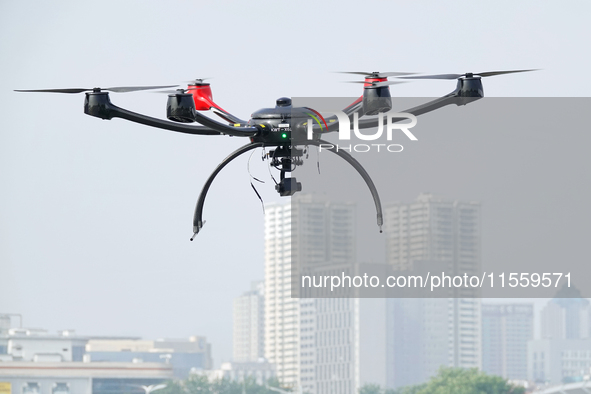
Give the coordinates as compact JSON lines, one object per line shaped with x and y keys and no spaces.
{"x":198,"y":216}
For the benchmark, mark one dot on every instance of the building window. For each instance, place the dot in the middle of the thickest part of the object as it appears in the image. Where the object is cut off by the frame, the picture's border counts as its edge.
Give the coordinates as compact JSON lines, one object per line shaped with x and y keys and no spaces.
{"x":60,"y":388}
{"x":78,"y":353}
{"x":31,"y":388}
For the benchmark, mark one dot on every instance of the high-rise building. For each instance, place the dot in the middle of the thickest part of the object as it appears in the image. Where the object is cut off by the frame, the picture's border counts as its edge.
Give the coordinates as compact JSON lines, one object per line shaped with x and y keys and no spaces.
{"x":329,"y":342}
{"x":506,"y":329}
{"x":281,"y":311}
{"x":433,"y":332}
{"x":563,"y":354}
{"x":249,"y":324}
{"x":567,"y":316}
{"x":311,"y":341}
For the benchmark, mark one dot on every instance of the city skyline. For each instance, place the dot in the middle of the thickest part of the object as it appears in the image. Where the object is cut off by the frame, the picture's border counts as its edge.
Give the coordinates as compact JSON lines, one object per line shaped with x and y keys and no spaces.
{"x":96,"y":215}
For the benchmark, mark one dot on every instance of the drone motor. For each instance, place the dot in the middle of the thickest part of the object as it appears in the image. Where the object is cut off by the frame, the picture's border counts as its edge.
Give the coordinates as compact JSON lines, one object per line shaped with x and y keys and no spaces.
{"x":180,"y":107}
{"x":97,"y":103}
{"x":376,"y":99}
{"x":469,"y":89}
{"x":201,"y":92}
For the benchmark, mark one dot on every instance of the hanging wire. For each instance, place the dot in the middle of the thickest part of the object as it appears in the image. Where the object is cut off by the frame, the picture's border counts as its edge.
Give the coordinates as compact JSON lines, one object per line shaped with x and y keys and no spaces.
{"x":256,"y":179}
{"x":269,"y":167}
{"x":318,"y":158}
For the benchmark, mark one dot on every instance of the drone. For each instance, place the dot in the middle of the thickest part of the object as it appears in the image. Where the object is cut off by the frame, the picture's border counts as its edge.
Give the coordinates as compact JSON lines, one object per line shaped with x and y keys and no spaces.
{"x":284,"y":129}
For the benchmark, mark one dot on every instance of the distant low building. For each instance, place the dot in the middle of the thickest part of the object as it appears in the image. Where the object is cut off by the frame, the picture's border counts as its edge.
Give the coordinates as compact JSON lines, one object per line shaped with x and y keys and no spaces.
{"x":557,"y":361}
{"x":183,"y":355}
{"x":37,"y":345}
{"x":34,"y":361}
{"x":66,"y":377}
{"x":260,"y":370}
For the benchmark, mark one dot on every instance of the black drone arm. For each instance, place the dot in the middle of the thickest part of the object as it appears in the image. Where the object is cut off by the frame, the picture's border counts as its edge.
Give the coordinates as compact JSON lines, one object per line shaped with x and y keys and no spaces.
{"x":99,"y":105}
{"x":416,"y":111}
{"x":228,"y":116}
{"x":238,"y":131}
{"x":333,"y":125}
{"x":356,"y":106}
{"x":448,"y":99}
{"x":161,"y":124}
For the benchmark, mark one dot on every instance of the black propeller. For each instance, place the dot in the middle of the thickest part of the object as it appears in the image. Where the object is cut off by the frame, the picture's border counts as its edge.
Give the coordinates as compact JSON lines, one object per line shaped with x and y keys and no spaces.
{"x":193,"y":82}
{"x":197,"y":81}
{"x":177,"y":91}
{"x":119,"y":89}
{"x":469,"y":75}
{"x":375,"y":74}
{"x":377,"y":84}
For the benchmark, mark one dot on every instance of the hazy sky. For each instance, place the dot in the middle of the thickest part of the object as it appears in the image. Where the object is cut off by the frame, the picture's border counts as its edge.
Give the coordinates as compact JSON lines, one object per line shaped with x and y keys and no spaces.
{"x":95,"y":216}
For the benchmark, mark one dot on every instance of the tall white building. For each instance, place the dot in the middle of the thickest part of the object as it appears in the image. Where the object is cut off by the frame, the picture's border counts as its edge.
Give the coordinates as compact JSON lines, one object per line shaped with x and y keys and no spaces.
{"x":312,"y":342}
{"x":249,"y":324}
{"x":282,"y":312}
{"x":424,"y":334}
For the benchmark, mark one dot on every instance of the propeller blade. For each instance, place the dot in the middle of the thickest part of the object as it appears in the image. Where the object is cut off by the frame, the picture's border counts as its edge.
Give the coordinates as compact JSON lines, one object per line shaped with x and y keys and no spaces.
{"x":353,"y":72}
{"x":172,"y":91}
{"x":456,"y":76}
{"x":492,"y":73}
{"x":377,"y":83}
{"x":197,"y":80}
{"x":386,"y":83}
{"x":125,"y":89}
{"x":393,"y":74}
{"x":375,"y":74}
{"x":439,"y":76}
{"x":72,"y":90}
{"x":119,"y":89}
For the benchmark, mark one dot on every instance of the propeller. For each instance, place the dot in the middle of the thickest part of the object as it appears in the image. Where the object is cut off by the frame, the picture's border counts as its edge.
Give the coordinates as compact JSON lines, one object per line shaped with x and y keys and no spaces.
{"x":119,"y":89}
{"x":197,"y":81}
{"x":375,"y":74}
{"x":193,"y":82}
{"x":377,"y":84}
{"x":469,"y":75}
{"x":181,"y":91}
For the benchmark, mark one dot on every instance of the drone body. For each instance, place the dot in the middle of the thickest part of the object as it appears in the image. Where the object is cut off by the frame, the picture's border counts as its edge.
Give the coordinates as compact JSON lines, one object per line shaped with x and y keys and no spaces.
{"x":284,"y":127}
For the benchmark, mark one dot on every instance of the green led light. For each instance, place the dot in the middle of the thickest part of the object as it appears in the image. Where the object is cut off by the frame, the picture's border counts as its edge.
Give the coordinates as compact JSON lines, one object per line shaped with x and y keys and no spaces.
{"x":283,"y":135}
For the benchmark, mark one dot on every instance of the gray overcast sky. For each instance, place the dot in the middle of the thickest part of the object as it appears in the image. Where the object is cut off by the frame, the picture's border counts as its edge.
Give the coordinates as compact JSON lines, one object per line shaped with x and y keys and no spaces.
{"x":95,"y":215}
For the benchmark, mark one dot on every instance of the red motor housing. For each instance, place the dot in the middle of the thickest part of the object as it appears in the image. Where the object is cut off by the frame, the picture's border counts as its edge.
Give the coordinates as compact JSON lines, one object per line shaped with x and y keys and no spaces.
{"x":202,"y":96}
